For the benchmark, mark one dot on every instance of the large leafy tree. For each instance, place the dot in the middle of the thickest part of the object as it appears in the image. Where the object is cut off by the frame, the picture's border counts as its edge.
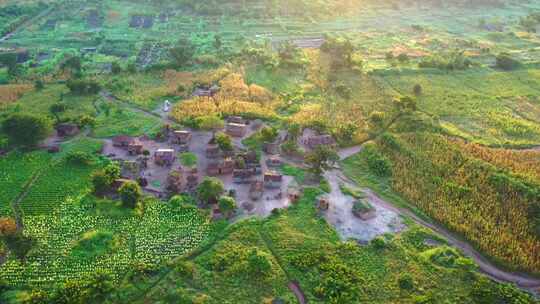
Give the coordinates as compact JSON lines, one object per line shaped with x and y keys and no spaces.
{"x":210,"y":189}
{"x":26,"y":129}
{"x":182,"y":53}
{"x":321,"y":159}
{"x":130,"y":194}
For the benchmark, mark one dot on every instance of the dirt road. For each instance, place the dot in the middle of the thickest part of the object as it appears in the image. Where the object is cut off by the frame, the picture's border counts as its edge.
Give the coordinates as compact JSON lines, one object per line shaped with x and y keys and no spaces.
{"x":522,"y":280}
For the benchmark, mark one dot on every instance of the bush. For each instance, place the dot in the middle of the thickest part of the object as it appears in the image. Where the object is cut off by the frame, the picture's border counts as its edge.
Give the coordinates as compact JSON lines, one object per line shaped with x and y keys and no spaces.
{"x":130,"y":194}
{"x":405,"y":281}
{"x":378,"y":243}
{"x":505,"y":62}
{"x":79,"y":158}
{"x":377,"y":163}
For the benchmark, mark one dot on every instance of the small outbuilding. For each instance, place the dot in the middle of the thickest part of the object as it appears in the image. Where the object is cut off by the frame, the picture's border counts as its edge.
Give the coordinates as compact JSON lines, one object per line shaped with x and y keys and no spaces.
{"x":272,"y":180}
{"x":181,"y":137}
{"x":273,"y":161}
{"x":242,"y":176}
{"x":235,"y":129}
{"x":164,"y":157}
{"x":135,"y":147}
{"x":122,"y":141}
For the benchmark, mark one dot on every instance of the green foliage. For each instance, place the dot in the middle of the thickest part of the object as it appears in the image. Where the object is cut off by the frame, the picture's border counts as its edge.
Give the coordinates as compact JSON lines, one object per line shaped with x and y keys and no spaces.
{"x":376,"y":162}
{"x":26,"y":129}
{"x":79,"y":158}
{"x":268,"y":134}
{"x":224,"y":141}
{"x":210,"y":123}
{"x":93,"y":244}
{"x":505,"y":62}
{"x":338,"y":283}
{"x":259,"y":262}
{"x":227,"y":204}
{"x":83,"y":87}
{"x":321,"y":159}
{"x":210,"y":189}
{"x":130,"y":194}
{"x":455,"y":60}
{"x":182,"y":53}
{"x":188,"y":159}
{"x":405,"y":281}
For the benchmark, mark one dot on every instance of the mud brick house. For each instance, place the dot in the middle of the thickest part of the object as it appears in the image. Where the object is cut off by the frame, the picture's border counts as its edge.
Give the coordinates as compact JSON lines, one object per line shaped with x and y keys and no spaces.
{"x":256,"y":190}
{"x":312,"y":139}
{"x":122,"y":141}
{"x":235,"y":129}
{"x":212,"y":151}
{"x":237,"y":120}
{"x":223,"y":167}
{"x":242,"y":176}
{"x":272,"y":180}
{"x":135,"y":147}
{"x":164,"y":157}
{"x":181,"y":137}
{"x":67,"y":129}
{"x":273,"y":161}
{"x":271,"y":148}
{"x":206,"y":91}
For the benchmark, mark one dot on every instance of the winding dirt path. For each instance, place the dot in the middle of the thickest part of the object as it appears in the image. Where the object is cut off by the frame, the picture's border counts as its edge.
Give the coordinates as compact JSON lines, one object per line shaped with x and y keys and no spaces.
{"x":522,"y":280}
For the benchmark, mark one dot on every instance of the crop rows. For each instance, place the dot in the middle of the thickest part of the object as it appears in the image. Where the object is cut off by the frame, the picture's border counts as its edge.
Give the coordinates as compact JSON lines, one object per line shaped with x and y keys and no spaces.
{"x":488,"y":207}
{"x":162,"y":233}
{"x":60,"y":181}
{"x":17,"y":169}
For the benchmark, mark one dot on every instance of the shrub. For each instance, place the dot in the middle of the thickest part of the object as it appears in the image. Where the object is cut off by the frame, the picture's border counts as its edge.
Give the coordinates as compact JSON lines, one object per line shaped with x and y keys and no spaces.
{"x":405,"y":281}
{"x":505,"y":62}
{"x":378,"y":243}
{"x":79,"y":158}
{"x":377,"y":163}
{"x":130,"y":194}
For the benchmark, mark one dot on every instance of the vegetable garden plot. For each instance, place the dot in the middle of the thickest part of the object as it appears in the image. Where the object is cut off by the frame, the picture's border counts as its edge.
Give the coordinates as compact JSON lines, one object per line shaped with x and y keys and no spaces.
{"x":160,"y":234}
{"x":60,"y":181}
{"x":16,"y":169}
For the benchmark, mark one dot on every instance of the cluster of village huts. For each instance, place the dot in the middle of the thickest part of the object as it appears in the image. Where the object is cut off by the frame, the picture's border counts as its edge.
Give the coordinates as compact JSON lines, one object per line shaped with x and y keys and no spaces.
{"x":143,"y":159}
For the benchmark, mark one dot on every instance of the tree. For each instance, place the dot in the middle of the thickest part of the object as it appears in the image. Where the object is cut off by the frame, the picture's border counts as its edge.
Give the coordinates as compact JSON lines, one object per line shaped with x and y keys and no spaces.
{"x":19,"y":244}
{"x":405,"y":104}
{"x":86,"y":120}
{"x":56,"y":109}
{"x":505,"y":62}
{"x":74,"y":66}
{"x":340,"y":51}
{"x":26,"y":129}
{"x":417,"y":90}
{"x":227,"y":205}
{"x":9,"y":59}
{"x":183,"y":52}
{"x":116,"y":68}
{"x":258,"y":262}
{"x":217,"y":42}
{"x":100,"y":181}
{"x":210,"y":189}
{"x":224,"y":141}
{"x":210,"y":123}
{"x":268,"y":134}
{"x":39,"y":85}
{"x":130,"y":194}
{"x":8,"y":226}
{"x":321,"y":159}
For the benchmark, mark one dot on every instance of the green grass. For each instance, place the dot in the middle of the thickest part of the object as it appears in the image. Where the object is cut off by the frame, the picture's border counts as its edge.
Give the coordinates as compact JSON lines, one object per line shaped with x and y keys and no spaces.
{"x":124,"y":121}
{"x":298,"y":173}
{"x":188,"y":159}
{"x":302,"y":247}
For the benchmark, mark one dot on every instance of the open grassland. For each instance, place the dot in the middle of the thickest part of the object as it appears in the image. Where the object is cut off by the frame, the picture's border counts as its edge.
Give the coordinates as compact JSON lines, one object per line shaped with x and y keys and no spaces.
{"x":493,"y":208}
{"x":479,"y":105}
